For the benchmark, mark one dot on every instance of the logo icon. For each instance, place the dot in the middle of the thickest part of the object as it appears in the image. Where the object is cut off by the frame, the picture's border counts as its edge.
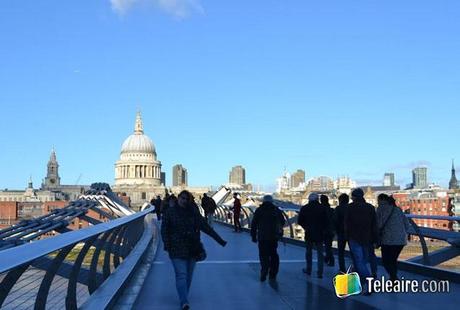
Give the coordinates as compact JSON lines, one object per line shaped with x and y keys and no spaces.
{"x":347,"y":284}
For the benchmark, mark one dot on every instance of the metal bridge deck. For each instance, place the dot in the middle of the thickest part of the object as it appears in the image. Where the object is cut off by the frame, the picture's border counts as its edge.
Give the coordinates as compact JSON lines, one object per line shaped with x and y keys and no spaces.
{"x":229,"y":279}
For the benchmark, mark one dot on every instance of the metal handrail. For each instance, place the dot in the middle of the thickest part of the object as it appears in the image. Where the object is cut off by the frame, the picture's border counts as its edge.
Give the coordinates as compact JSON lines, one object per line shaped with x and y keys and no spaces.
{"x":433,"y":217}
{"x":22,"y":254}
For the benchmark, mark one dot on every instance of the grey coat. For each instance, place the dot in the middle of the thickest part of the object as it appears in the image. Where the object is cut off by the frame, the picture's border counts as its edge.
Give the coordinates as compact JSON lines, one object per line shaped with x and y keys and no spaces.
{"x":395,"y":230}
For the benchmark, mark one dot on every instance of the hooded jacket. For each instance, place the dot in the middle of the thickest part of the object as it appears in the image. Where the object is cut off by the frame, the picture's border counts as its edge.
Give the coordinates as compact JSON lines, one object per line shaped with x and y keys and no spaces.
{"x":267,"y":223}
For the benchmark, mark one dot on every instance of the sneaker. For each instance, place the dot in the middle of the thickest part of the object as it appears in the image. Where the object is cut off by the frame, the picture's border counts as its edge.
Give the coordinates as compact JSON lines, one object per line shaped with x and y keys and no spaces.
{"x":306,"y":271}
{"x":185,"y":307}
{"x":263,"y":277}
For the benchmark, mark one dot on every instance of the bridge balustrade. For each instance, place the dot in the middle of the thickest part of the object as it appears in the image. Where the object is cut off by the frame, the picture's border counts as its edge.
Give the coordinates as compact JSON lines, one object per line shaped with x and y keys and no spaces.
{"x":86,"y":268}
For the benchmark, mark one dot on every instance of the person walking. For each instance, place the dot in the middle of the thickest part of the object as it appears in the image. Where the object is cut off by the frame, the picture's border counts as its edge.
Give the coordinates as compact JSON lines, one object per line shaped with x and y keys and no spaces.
{"x":266,"y":229}
{"x":329,"y":235}
{"x":165,"y":203}
{"x":236,"y":212}
{"x":180,"y":232}
{"x":157,"y":204}
{"x":361,"y":230}
{"x":340,"y":212}
{"x":209,"y":207}
{"x":393,"y":227}
{"x":314,"y":220}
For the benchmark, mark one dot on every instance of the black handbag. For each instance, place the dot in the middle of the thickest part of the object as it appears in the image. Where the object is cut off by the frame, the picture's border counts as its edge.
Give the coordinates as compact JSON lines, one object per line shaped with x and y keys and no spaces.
{"x":198,"y":251}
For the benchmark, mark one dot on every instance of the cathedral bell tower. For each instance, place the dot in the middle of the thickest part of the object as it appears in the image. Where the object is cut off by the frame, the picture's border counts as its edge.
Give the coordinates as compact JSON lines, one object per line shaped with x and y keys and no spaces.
{"x":52,"y":179}
{"x":453,"y":184}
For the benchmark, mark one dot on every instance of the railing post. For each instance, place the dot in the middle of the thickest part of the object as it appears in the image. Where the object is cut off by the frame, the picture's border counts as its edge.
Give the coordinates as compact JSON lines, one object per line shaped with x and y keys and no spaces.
{"x":426,"y":257}
{"x":93,"y":282}
{"x":71,"y":297}
{"x":10,"y":280}
{"x":42,"y":295}
{"x":108,"y":251}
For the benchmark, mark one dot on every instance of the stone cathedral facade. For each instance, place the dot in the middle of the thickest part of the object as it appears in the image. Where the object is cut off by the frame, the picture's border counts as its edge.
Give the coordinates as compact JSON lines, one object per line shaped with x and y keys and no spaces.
{"x":138,"y":171}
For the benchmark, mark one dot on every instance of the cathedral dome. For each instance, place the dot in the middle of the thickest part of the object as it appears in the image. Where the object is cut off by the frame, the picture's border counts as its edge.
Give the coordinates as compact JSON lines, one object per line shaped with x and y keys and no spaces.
{"x":138,"y":142}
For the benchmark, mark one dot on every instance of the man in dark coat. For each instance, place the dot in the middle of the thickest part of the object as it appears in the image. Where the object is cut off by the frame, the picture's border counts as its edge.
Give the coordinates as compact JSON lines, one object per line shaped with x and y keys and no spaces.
{"x":266,"y":229}
{"x":157,"y":203}
{"x":329,"y":236}
{"x":209,"y":207}
{"x":361,"y":231}
{"x":314,"y":220}
{"x":340,"y":212}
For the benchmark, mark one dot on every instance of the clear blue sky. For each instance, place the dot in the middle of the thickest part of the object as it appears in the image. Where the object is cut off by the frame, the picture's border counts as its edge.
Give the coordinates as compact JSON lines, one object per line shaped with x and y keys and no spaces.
{"x":334,"y":87}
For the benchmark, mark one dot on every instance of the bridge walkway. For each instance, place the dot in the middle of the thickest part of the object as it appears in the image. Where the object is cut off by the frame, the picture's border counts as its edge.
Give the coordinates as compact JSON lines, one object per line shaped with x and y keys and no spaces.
{"x":229,"y":279}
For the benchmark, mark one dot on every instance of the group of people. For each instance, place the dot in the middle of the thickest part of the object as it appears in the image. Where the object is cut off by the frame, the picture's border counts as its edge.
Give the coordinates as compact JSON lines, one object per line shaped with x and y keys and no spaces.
{"x":357,"y":223}
{"x":360,"y":225}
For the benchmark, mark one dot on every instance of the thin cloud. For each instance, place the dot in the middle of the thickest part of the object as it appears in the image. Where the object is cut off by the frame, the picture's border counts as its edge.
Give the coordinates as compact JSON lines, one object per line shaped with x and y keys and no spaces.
{"x":178,"y":8}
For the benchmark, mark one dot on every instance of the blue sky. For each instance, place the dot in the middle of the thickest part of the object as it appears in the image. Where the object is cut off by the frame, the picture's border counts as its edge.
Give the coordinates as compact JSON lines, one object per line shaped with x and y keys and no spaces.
{"x":334,"y":87}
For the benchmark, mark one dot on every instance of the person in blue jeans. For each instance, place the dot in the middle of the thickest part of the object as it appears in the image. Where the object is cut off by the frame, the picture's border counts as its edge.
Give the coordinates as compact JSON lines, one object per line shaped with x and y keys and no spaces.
{"x":314,"y":219}
{"x":180,"y":232}
{"x":361,"y":231}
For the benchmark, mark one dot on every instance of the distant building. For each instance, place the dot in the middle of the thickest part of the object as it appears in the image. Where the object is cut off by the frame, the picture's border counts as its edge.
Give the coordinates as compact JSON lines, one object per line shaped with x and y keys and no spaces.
{"x":237,"y":175}
{"x":344,"y":185}
{"x":298,"y":178}
{"x":138,"y":171}
{"x":52,"y":180}
{"x":51,"y":189}
{"x":420,"y":178}
{"x":453,"y":184}
{"x":455,"y":210}
{"x":389,"y":179}
{"x":8,"y":213}
{"x":283,"y":183}
{"x":384,"y":189}
{"x":179,"y":176}
{"x":320,"y":184}
{"x":427,"y":202}
{"x":163,"y":178}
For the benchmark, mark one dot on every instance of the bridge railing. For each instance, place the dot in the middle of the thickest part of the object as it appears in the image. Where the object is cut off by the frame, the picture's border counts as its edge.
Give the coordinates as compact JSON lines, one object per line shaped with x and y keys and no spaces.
{"x":85,"y":268}
{"x":449,"y":249}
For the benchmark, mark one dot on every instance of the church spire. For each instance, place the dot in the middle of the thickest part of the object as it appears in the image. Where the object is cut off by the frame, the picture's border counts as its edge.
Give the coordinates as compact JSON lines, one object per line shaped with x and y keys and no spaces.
{"x":139,"y":127}
{"x":53,"y":155}
{"x":52,"y":179}
{"x":453,"y":184}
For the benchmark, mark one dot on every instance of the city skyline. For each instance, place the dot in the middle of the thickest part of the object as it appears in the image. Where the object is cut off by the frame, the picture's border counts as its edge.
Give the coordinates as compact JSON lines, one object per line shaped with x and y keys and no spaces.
{"x":271,"y":186}
{"x":331,"y":88}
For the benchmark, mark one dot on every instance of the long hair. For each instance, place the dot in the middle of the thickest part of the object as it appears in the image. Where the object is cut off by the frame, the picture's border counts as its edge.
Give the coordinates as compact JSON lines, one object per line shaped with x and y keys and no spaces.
{"x":187,"y":194}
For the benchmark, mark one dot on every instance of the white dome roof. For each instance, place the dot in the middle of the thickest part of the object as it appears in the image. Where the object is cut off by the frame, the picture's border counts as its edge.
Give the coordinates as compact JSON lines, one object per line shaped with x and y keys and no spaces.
{"x":138,"y":144}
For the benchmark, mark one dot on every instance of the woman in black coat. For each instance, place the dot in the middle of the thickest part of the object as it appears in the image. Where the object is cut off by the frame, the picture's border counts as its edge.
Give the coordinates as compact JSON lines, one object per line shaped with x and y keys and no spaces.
{"x":180,"y":231}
